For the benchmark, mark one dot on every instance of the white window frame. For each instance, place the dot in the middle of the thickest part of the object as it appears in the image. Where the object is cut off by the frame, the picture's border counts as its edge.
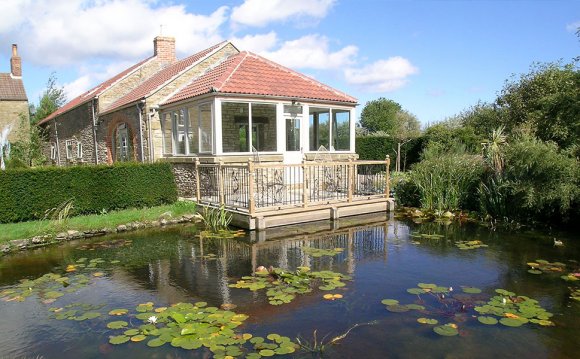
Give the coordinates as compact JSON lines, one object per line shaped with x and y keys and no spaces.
{"x":79,"y":150}
{"x":69,"y":149}
{"x":53,"y":151}
{"x":331,"y":110}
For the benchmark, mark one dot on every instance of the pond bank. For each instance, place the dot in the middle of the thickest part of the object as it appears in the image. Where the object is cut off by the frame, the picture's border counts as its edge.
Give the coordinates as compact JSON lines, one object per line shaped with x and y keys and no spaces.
{"x":16,"y":245}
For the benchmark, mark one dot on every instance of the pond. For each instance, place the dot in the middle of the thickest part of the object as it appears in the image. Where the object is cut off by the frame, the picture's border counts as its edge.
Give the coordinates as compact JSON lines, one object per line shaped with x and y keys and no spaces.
{"x":370,"y":290}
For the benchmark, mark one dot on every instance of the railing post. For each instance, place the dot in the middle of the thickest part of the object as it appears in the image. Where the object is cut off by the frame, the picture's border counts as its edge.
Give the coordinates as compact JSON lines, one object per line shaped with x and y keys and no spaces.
{"x":251,"y":199}
{"x":304,"y":185}
{"x":197,"y":180}
{"x":387,"y":177}
{"x":221,"y":183}
{"x":350,"y":179}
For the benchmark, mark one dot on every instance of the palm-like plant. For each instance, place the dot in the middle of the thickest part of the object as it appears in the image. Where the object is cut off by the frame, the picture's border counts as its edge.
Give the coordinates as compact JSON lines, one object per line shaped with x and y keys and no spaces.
{"x":494,"y":149}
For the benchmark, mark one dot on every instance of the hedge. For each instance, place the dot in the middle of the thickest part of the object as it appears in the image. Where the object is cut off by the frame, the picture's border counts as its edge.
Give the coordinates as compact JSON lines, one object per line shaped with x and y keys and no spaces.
{"x":26,"y":194}
{"x":378,"y":147}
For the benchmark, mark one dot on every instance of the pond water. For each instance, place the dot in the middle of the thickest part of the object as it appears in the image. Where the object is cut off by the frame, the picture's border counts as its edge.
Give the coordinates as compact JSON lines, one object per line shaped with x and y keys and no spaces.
{"x":383,"y":258}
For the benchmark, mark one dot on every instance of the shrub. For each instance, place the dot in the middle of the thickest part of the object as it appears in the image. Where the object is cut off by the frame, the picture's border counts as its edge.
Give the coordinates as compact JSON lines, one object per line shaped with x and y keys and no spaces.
{"x":26,"y":194}
{"x":406,"y":191}
{"x":378,"y":147}
{"x":544,"y":181}
{"x":447,"y":180}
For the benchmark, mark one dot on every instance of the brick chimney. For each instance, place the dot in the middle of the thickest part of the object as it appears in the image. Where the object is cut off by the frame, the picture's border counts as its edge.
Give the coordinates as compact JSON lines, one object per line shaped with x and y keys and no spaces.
{"x":15,"y":62}
{"x":164,"y":48}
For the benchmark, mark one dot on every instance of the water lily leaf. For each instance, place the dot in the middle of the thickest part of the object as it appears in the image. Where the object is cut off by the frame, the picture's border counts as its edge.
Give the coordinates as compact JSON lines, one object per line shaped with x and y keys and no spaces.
{"x":267,"y":352}
{"x":447,"y":330}
{"x":117,"y":324}
{"x":138,"y":338}
{"x":427,"y":285}
{"x":397,"y":308}
{"x":157,"y":342}
{"x":119,"y":339}
{"x":389,"y":301}
{"x":534,"y":271}
{"x":118,"y":312}
{"x":53,"y":295}
{"x":131,"y":332}
{"x":505,"y":292}
{"x":487,"y":320}
{"x":92,"y":315}
{"x":415,"y":291}
{"x":511,"y":322}
{"x":427,"y":321}
{"x":471,"y":290}
{"x":415,"y":306}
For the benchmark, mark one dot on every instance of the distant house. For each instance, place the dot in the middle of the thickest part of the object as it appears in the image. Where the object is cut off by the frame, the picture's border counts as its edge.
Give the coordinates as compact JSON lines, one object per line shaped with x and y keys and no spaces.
{"x":13,"y":101}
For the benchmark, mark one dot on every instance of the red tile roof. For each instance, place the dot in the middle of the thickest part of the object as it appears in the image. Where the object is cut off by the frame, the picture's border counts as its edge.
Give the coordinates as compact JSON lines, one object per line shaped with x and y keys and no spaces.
{"x":11,"y":89}
{"x":248,"y":73}
{"x":94,"y":92}
{"x":159,"y":79}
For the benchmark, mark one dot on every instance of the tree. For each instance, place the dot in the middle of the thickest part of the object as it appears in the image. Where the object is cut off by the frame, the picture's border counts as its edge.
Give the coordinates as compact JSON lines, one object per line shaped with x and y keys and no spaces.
{"x":30,"y":152}
{"x":408,"y":128}
{"x":546,"y":101}
{"x":380,"y":115}
{"x":53,"y":97}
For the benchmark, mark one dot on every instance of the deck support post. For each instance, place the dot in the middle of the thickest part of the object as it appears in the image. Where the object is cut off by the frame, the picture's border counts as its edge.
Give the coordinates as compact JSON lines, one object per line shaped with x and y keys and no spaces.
{"x":387,"y":177}
{"x":251,"y":199}
{"x":350,"y":177}
{"x":197,"y":180}
{"x":304,"y":185}
{"x":221,"y":183}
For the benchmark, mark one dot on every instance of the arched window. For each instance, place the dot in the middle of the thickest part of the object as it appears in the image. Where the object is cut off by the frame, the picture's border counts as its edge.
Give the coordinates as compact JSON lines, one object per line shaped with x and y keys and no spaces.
{"x":121,"y":144}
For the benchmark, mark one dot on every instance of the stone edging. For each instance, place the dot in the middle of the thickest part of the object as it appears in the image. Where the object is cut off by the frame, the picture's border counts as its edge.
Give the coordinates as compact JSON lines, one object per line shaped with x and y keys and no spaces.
{"x":16,"y":245}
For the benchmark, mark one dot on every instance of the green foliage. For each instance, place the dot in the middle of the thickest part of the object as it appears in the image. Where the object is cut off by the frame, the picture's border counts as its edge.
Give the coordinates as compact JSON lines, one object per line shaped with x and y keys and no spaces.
{"x":52,"y":98}
{"x":546,"y":100}
{"x":380,"y":115}
{"x":447,"y":135}
{"x":375,"y":147}
{"x":28,"y":194}
{"x":545,"y":183}
{"x":406,"y":191}
{"x":447,"y":180}
{"x":216,"y":219}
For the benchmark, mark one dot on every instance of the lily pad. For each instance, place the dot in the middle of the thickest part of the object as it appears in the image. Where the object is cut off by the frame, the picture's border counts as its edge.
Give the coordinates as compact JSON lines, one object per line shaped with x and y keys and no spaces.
{"x":535,"y":271}
{"x":397,"y":308}
{"x":138,"y":338}
{"x":157,"y":342}
{"x":389,"y":301}
{"x":427,"y":321}
{"x":487,"y":320}
{"x":267,"y":352}
{"x":447,"y":330}
{"x":119,"y":339}
{"x":415,"y":291}
{"x":512,"y":322}
{"x":117,"y":324}
{"x":471,"y":290}
{"x":118,"y":312}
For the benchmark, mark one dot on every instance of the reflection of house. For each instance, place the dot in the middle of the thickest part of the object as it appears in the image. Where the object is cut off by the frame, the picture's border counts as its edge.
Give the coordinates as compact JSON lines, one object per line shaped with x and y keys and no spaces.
{"x":13,"y":100}
{"x":218,"y":104}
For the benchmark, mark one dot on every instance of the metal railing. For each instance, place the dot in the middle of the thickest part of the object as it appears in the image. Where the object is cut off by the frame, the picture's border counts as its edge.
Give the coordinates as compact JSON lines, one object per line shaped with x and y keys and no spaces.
{"x":255,"y":187}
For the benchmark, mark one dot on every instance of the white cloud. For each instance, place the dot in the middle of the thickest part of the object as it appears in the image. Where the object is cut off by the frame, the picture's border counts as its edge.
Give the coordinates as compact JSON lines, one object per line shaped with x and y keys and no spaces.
{"x":262,"y":12}
{"x":382,"y":75}
{"x":573,"y":27}
{"x":256,"y":43}
{"x":62,"y":32}
{"x":312,"y":51}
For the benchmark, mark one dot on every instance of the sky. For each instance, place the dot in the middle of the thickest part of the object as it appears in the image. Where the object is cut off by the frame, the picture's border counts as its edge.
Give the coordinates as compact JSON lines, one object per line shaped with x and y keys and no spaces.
{"x":436,"y":58}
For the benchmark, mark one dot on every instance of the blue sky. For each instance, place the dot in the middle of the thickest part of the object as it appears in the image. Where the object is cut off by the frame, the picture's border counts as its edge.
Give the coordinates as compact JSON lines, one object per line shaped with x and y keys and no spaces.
{"x":436,"y":58}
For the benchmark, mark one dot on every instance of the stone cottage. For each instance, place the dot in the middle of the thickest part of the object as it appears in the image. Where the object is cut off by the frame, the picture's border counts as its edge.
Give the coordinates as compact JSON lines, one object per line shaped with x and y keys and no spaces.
{"x":14,"y":117}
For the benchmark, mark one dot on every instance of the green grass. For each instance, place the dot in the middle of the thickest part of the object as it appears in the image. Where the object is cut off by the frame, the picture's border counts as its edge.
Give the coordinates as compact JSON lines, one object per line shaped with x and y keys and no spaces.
{"x":10,"y":231}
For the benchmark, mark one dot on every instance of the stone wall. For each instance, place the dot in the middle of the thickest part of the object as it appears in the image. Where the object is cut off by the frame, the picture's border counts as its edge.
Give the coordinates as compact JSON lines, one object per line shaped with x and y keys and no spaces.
{"x":77,"y":126}
{"x":184,"y":179}
{"x":107,"y":126}
{"x":15,"y":115}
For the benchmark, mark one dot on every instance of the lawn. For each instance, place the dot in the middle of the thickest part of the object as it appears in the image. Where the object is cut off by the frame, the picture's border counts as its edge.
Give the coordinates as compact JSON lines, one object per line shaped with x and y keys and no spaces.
{"x":10,"y":231}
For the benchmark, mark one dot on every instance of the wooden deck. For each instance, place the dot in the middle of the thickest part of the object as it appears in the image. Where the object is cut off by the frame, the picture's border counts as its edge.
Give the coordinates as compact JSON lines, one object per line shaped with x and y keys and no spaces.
{"x":264,"y":195}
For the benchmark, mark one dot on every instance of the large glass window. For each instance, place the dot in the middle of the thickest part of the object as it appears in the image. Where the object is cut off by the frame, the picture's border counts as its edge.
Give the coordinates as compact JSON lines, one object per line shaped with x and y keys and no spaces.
{"x":192,"y":129}
{"x":293,"y":134}
{"x":319,"y":130}
{"x":180,"y":132}
{"x":167,"y":129}
{"x":248,"y":126}
{"x":341,"y":130}
{"x":121,"y":144}
{"x":205,"y":128}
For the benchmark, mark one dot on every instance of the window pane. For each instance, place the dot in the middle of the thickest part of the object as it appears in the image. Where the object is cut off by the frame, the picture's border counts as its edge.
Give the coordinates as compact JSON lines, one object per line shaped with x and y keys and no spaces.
{"x":167,"y":129}
{"x":192,"y":129}
{"x":205,"y":128}
{"x":179,"y":131}
{"x":235,"y":122}
{"x":341,"y":130}
{"x":319,"y":130}
{"x":264,"y":127}
{"x":293,"y":134}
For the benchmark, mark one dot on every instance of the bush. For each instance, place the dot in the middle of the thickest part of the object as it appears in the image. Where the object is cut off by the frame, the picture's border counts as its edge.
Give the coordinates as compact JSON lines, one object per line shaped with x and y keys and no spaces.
{"x":27,"y":194}
{"x":447,"y":181}
{"x":406,"y":192}
{"x":544,"y":182}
